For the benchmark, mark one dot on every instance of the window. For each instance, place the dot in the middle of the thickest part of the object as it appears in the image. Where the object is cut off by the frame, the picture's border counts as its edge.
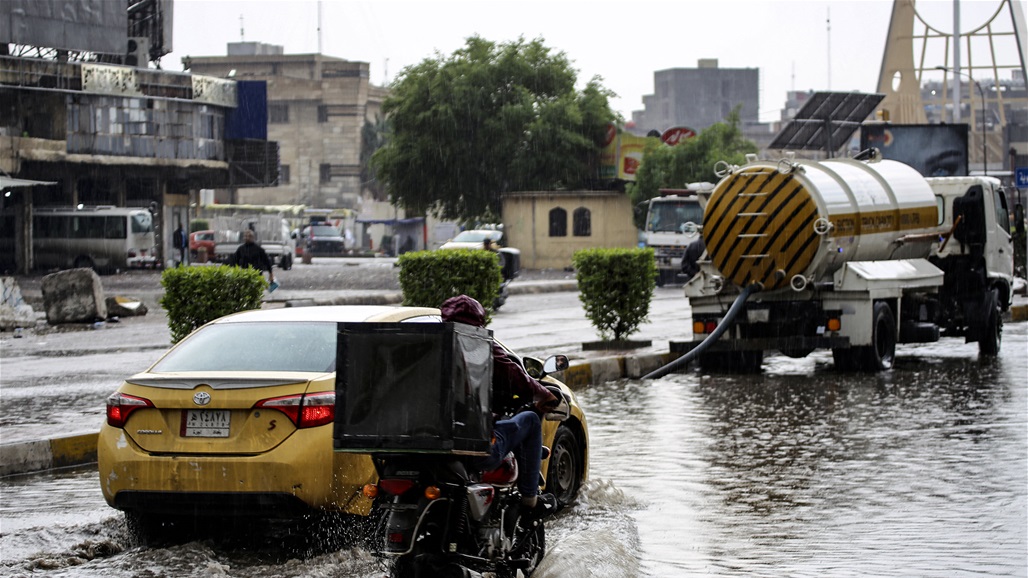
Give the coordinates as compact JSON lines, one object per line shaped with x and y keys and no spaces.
{"x":325,"y":171}
{"x":582,"y":222}
{"x":558,"y":222}
{"x":283,"y":174}
{"x":115,"y":228}
{"x":1002,"y":214}
{"x":278,"y":113}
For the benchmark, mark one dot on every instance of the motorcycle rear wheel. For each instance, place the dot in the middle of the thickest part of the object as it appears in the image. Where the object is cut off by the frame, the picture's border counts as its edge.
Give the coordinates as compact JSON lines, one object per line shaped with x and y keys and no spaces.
{"x":527,"y":553}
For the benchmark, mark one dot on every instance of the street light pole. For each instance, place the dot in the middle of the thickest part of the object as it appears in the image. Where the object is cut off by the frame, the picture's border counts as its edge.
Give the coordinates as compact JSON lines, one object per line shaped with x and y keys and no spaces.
{"x":981,"y":94}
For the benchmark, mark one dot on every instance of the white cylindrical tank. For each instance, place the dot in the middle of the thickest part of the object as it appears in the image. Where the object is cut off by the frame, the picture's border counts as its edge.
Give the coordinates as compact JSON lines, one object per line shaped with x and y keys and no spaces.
{"x":768,"y":223}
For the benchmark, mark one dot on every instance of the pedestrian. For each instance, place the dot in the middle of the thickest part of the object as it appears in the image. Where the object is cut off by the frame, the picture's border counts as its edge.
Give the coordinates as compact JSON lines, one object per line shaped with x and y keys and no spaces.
{"x":181,"y":242}
{"x":252,"y":255}
{"x":521,"y":432}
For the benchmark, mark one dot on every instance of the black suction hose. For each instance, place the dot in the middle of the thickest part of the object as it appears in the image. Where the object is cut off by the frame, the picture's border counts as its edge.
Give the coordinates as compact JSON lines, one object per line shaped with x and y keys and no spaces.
{"x":718,"y":332}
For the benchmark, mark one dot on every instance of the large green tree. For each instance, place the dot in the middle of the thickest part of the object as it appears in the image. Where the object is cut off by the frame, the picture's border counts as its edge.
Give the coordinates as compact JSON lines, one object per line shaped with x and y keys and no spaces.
{"x":372,"y":138}
{"x":489,"y":119}
{"x":690,"y":161}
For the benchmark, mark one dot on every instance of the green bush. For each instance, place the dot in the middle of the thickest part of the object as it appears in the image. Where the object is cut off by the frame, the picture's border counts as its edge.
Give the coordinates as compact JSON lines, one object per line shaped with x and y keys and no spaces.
{"x":195,"y":295}
{"x":616,"y":286}
{"x":199,"y":225}
{"x":428,"y":278}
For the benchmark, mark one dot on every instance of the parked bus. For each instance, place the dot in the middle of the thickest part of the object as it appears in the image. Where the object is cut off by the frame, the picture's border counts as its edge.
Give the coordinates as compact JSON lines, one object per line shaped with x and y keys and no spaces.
{"x":102,"y":238}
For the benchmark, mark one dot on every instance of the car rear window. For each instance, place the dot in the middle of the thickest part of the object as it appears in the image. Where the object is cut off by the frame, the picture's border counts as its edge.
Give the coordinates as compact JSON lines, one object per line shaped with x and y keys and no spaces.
{"x":278,"y":346}
{"x":323,"y":231}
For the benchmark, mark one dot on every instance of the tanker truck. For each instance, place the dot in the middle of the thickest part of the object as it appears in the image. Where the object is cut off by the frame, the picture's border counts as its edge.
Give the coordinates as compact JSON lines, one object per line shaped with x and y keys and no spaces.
{"x":849,"y":255}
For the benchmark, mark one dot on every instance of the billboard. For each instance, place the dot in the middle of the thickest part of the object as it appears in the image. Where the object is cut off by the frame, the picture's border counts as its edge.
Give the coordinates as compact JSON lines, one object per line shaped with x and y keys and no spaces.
{"x":622,"y":152}
{"x":86,"y":25}
{"x":934,"y":150}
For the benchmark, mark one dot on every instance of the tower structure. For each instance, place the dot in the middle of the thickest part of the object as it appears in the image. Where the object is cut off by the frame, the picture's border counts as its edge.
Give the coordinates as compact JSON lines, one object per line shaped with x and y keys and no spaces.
{"x":921,"y":60}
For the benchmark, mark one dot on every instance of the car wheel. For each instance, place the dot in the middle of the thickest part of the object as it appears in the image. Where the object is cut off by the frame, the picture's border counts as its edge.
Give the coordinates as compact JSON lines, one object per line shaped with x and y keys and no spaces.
{"x":84,"y":262}
{"x":152,"y":529}
{"x":565,"y":470}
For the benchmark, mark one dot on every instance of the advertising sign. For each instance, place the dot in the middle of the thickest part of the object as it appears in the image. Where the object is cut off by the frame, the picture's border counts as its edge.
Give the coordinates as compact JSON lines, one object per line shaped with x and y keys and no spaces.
{"x":673,"y":136}
{"x":935,"y":150}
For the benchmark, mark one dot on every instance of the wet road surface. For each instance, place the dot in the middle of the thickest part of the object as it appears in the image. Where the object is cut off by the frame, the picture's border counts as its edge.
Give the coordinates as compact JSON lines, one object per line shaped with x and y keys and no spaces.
{"x":801,"y":471}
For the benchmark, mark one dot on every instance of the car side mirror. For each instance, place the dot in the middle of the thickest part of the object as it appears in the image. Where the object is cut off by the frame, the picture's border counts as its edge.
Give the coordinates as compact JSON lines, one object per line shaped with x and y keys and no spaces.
{"x":555,"y":363}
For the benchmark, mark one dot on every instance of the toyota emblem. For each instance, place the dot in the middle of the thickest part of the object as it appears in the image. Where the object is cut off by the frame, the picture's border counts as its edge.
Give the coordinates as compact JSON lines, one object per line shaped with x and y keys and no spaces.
{"x":202,"y":398}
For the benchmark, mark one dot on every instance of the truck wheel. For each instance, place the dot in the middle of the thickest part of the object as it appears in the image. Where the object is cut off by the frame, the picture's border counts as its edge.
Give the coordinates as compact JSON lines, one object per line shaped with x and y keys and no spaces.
{"x":991,"y":334}
{"x":880,"y":354}
{"x":732,"y":361}
{"x":286,"y":262}
{"x":845,"y":359}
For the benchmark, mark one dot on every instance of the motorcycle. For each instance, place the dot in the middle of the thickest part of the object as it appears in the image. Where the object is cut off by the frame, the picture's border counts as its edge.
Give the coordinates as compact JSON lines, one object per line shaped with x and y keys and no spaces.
{"x":440,"y":517}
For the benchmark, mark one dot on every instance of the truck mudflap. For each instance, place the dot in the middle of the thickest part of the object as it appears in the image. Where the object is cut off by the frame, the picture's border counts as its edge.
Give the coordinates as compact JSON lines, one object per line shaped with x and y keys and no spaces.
{"x":793,"y":343}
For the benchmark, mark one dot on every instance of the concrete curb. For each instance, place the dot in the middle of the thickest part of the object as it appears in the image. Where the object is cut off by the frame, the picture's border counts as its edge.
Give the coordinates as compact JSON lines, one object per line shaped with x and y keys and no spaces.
{"x":36,"y":456}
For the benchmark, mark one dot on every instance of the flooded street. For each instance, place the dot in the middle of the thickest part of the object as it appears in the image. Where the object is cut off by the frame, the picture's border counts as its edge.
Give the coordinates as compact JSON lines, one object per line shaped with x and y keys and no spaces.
{"x":800,"y":471}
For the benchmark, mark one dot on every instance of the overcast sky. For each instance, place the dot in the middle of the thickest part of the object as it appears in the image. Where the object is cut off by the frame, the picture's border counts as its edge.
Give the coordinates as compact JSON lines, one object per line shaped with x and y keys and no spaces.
{"x":622,"y":42}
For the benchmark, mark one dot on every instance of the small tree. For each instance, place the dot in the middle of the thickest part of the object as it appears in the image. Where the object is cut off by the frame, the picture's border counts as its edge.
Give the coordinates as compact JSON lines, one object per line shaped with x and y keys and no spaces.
{"x":194,"y":296}
{"x":428,"y":278}
{"x":615,"y":286}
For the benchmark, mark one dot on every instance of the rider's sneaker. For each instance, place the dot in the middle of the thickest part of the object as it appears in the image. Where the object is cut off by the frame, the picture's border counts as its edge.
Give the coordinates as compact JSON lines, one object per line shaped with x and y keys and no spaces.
{"x":545,"y":506}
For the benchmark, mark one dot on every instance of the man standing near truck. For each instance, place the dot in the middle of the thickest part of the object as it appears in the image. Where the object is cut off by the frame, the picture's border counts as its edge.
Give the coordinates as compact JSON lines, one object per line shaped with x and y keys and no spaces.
{"x":252,"y":255}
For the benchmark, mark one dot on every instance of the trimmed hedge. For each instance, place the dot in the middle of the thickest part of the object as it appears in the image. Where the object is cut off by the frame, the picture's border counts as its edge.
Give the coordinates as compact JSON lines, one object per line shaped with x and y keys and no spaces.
{"x":194,"y":296}
{"x":428,"y":278}
{"x":615,"y":286}
{"x":199,"y":225}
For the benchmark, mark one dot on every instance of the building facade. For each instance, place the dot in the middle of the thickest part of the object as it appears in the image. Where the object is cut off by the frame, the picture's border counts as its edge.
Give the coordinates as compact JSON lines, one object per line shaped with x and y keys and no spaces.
{"x":549,"y":226}
{"x":699,"y":97}
{"x":317,"y":107}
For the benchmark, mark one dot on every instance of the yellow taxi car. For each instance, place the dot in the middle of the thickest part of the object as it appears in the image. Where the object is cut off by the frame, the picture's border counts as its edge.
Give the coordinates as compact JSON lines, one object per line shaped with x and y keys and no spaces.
{"x":235,"y":421}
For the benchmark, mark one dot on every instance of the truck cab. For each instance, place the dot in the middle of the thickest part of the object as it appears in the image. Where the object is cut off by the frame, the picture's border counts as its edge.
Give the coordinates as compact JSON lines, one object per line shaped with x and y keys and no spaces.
{"x":674,"y":220}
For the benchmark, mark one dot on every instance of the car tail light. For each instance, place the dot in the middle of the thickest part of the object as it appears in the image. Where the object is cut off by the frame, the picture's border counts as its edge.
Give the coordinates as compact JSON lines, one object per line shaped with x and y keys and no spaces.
{"x":304,"y":410}
{"x":121,"y":405}
{"x":396,"y":487}
{"x":132,"y":253}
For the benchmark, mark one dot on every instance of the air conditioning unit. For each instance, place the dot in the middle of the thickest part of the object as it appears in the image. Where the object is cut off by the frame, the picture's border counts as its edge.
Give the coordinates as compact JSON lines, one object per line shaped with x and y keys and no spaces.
{"x":138,"y":52}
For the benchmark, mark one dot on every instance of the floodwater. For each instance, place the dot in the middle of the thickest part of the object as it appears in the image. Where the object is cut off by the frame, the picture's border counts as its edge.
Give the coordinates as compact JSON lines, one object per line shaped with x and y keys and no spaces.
{"x":800,"y":471}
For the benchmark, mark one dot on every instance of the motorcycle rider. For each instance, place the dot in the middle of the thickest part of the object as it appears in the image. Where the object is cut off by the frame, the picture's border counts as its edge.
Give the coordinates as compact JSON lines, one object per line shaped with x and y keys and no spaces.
{"x":522,"y":433}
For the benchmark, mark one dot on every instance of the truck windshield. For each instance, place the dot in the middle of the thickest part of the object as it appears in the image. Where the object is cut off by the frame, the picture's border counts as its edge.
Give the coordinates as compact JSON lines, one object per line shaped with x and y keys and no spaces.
{"x":669,"y":216}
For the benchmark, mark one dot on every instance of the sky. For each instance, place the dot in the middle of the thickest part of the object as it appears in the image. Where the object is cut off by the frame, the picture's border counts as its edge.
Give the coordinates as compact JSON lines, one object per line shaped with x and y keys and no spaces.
{"x":796,"y":44}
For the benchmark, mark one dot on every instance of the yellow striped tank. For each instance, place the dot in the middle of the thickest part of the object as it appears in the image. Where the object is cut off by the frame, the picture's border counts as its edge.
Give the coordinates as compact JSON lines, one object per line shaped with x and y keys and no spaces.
{"x":796,"y":222}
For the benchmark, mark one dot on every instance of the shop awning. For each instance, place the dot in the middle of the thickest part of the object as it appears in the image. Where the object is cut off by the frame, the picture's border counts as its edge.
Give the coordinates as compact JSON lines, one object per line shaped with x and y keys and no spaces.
{"x":11,"y":183}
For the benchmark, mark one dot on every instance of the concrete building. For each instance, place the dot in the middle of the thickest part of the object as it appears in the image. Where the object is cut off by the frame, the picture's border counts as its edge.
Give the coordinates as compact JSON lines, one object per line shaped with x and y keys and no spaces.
{"x":699,"y":97}
{"x":84,"y":120}
{"x":549,"y":226}
{"x":317,"y":107}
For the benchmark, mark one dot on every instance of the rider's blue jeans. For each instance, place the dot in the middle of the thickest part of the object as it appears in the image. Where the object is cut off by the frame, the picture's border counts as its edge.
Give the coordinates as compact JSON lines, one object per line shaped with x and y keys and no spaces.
{"x":523,"y":435}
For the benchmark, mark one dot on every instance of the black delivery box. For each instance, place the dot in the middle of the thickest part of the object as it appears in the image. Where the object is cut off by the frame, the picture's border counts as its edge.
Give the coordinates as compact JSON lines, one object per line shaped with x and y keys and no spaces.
{"x":413,"y":387}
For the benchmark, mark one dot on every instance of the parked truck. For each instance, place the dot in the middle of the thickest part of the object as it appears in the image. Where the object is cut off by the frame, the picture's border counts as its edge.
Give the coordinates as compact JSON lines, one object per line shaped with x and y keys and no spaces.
{"x":852,"y":256}
{"x":673,"y":221}
{"x":272,"y":232}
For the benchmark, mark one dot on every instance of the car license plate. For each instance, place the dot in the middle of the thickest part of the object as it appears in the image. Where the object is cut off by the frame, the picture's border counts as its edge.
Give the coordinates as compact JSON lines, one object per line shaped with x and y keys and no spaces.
{"x":205,"y":423}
